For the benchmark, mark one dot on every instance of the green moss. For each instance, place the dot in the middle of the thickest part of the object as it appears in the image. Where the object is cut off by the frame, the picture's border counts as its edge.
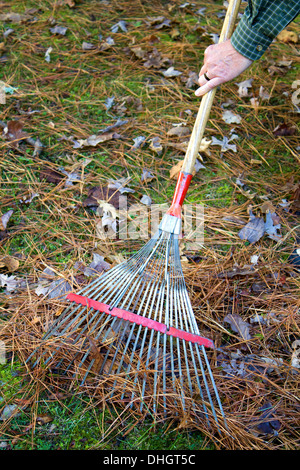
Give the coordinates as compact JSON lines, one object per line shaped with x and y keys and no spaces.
{"x":77,"y":423}
{"x":9,"y":381}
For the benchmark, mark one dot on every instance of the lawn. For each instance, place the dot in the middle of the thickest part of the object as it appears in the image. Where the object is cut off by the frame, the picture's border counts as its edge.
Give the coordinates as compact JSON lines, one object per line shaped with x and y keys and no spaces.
{"x":97,"y":105}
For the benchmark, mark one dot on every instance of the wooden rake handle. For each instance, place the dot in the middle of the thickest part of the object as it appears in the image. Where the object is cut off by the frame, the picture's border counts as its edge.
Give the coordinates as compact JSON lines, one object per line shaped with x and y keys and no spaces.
{"x":207,"y":100}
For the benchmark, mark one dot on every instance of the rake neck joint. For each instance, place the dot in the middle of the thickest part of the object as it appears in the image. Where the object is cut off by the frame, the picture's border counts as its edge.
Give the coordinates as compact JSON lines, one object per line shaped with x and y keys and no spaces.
{"x":182,"y":186}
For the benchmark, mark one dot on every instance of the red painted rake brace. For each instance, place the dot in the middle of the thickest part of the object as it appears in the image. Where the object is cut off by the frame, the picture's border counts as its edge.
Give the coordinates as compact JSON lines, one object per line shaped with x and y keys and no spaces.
{"x":139,"y":320}
{"x":182,"y":185}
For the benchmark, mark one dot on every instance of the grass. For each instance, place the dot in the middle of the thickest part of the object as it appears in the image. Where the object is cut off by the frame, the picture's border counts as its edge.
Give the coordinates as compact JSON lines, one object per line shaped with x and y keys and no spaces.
{"x":65,"y":100}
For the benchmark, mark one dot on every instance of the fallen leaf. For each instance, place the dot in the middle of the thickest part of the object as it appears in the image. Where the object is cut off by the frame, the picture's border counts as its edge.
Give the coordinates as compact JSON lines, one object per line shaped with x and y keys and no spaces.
{"x":229,"y":117}
{"x":72,"y":177}
{"x":228,"y":103}
{"x":285,"y":129}
{"x":13,"y":132}
{"x":138,"y":52}
{"x":9,"y":262}
{"x":97,"y":266}
{"x":254,"y":103}
{"x":94,"y":140}
{"x":28,"y":199}
{"x":266,"y":423}
{"x":237,"y":271}
{"x":155,"y":145}
{"x":171,"y":72}
{"x":154,"y":20}
{"x":287,"y":36}
{"x":198,"y":166}
{"x":284,"y":63}
{"x":179,"y":131}
{"x":122,"y":25}
{"x":47,"y":54}
{"x":104,"y":193}
{"x":146,"y":175}
{"x":10,"y":282}
{"x":243,"y":87}
{"x":192,"y":80}
{"x":146,"y":200}
{"x":295,"y":359}
{"x":51,"y":287}
{"x":138,"y":142}
{"x":253,"y":230}
{"x":106,"y":226}
{"x":96,"y":357}
{"x":177,"y":168}
{"x":87,"y":46}
{"x":234,"y":220}
{"x":263,"y":94}
{"x":273,"y":69}
{"x":109,"y":102}
{"x":238,"y":325}
{"x":4,"y":219}
{"x":7,"y":32}
{"x":175,"y":33}
{"x":105,"y":207}
{"x":44,"y":419}
{"x":270,"y":228}
{"x":159,"y":22}
{"x":120,"y":185}
{"x":166,"y":23}
{"x":156,"y":60}
{"x":152,"y":39}
{"x":107,"y":44}
{"x":51,"y":176}
{"x":15,"y":17}
{"x":254,"y":259}
{"x":8,"y":412}
{"x":225,"y":143}
{"x":60,"y":30}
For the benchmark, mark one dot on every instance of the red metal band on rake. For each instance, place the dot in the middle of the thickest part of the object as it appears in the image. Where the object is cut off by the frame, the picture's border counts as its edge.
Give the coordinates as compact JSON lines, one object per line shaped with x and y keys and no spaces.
{"x":139,"y":320}
{"x":182,"y":185}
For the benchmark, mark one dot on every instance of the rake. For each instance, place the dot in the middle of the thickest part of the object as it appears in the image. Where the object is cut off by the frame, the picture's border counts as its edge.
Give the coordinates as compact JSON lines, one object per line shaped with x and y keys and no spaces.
{"x":133,"y":328}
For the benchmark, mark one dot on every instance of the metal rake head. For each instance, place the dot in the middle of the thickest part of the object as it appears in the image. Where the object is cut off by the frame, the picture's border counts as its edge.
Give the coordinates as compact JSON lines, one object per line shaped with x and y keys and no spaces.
{"x":134,"y":330}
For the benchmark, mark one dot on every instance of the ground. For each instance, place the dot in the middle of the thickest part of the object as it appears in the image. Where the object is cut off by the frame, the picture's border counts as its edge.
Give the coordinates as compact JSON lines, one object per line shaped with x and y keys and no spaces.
{"x":98,"y":93}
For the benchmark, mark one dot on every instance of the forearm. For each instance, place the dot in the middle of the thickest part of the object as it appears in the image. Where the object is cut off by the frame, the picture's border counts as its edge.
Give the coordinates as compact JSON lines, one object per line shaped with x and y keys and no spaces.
{"x":261,"y":22}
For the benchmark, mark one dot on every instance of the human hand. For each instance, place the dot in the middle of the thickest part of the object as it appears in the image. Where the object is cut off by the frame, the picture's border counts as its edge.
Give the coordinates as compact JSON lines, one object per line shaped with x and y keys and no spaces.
{"x":221,"y":64}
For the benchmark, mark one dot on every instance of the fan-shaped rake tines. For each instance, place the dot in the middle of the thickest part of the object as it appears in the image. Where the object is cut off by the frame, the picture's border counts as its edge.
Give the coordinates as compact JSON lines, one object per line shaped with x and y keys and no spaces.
{"x":135,"y":330}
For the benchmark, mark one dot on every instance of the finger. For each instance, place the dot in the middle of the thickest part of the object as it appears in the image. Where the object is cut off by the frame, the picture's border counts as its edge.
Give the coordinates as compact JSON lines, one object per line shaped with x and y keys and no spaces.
{"x":202,"y":80}
{"x":208,"y":86}
{"x":203,"y":70}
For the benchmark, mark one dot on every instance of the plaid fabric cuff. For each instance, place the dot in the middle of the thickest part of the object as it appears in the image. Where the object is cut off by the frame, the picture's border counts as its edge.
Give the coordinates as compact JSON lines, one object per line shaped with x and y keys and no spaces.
{"x":248,"y":41}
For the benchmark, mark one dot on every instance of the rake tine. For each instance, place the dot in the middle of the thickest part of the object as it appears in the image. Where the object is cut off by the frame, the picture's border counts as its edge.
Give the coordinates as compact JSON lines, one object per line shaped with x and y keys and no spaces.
{"x":91,"y":330}
{"x":167,"y":314}
{"x":107,"y":354}
{"x":147,"y":295}
{"x":186,"y":303}
{"x":153,"y":294}
{"x":164,"y":287}
{"x":137,"y":285}
{"x":196,"y":330}
{"x":130,"y":335}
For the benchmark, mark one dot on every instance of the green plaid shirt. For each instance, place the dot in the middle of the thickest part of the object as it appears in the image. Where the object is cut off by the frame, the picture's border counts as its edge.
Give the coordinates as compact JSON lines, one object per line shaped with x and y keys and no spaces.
{"x":261,"y":22}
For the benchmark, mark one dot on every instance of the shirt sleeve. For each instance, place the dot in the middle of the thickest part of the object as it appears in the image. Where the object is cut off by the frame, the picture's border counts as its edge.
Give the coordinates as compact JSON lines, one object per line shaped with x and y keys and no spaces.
{"x":261,"y":22}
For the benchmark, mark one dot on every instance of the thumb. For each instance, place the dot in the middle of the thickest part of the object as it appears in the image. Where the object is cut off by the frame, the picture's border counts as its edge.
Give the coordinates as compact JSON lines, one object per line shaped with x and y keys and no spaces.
{"x":208,"y":86}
